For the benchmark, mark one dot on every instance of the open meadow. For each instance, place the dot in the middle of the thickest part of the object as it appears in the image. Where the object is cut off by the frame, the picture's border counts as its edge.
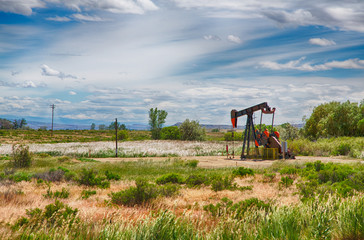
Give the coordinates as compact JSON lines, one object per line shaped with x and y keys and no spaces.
{"x":177,"y":190}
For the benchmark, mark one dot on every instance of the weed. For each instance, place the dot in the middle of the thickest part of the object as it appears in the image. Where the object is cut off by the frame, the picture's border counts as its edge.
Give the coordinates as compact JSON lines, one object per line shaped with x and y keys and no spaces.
{"x":170,"y":178}
{"x":286,"y":181}
{"x":111,"y":176}
{"x":196,"y":180}
{"x":87,"y":193}
{"x":90,"y":178}
{"x":243,"y":172}
{"x":57,"y":194}
{"x":219,"y":183}
{"x":21,"y":156}
{"x":192,"y":163}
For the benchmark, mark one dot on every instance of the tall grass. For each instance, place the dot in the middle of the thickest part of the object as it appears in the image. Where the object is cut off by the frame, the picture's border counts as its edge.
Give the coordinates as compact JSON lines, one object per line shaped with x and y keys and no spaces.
{"x":331,"y":219}
{"x":348,"y":146}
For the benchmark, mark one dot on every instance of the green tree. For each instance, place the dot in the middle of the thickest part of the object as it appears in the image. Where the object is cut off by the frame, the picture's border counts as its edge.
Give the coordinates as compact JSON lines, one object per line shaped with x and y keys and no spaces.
{"x":192,"y":130}
{"x":93,"y":126}
{"x":156,"y":120}
{"x":334,"y":119}
{"x":102,"y":127}
{"x":5,"y":124}
{"x":288,"y":132}
{"x":171,"y":132}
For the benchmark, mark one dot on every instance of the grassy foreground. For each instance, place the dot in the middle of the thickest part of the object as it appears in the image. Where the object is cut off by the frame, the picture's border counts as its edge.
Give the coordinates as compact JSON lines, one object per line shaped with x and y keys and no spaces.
{"x":66,"y":198}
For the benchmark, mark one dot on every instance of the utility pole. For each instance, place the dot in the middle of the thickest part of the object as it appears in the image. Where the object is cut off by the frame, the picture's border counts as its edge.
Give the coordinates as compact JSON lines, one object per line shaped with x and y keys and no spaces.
{"x":116,"y":134}
{"x":52,"y":106}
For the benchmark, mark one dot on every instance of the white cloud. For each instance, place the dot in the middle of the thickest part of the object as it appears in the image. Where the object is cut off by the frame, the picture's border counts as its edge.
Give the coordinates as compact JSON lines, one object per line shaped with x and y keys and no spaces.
{"x":29,"y":84}
{"x":234,"y":39}
{"x":72,"y":93}
{"x":115,"y":6}
{"x":321,"y":42}
{"x":212,"y":37}
{"x":80,"y":116}
{"x":83,"y":17}
{"x":298,"y":17}
{"x":58,"y":19}
{"x":23,"y":7}
{"x":297,"y":65}
{"x":47,"y":71}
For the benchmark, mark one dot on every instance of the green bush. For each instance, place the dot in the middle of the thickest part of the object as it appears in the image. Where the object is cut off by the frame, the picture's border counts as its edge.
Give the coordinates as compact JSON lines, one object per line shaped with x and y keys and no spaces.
{"x":191,"y":130}
{"x":112,"y":176}
{"x":57,"y":194}
{"x":219,"y":183}
{"x":172,"y":133}
{"x":21,"y":156}
{"x":192,"y":163}
{"x":229,"y":136}
{"x":170,"y":178}
{"x":21,"y":176}
{"x":286,"y":181}
{"x":237,"y":210}
{"x":142,"y":193}
{"x":243,"y":172}
{"x":54,"y":215}
{"x":269,"y":177}
{"x":90,"y":178}
{"x":87,"y":193}
{"x":196,"y":180}
{"x":122,"y":135}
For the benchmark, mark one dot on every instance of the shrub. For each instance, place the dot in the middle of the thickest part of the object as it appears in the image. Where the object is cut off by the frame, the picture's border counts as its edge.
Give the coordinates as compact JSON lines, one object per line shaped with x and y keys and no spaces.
{"x":268,"y":177}
{"x":196,"y":180}
{"x":191,"y":130}
{"x":21,"y":176}
{"x":237,"y":210}
{"x":143,"y":192}
{"x":122,"y":135}
{"x":286,"y":181}
{"x":172,"y":133}
{"x":229,"y":136}
{"x":53,"y":215}
{"x":87,"y":193}
{"x":219,"y":183}
{"x":90,"y":178}
{"x":169,"y":190}
{"x":57,"y":194}
{"x":243,"y":172}
{"x":52,"y":175}
{"x":21,"y":156}
{"x":111,"y":176}
{"x":170,"y":178}
{"x":192,"y":163}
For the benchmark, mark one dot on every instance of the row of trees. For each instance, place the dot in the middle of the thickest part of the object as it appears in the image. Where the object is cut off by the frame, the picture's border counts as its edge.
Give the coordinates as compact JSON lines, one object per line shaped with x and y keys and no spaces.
{"x":110,"y":127}
{"x":188,"y":130}
{"x":335,"y":119}
{"x":15,"y":124}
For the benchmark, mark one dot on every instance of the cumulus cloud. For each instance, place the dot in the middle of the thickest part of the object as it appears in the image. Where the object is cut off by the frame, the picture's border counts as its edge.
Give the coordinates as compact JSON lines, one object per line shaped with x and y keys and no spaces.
{"x":72,"y":93}
{"x":355,"y":63}
{"x":80,"y":116}
{"x":58,"y":19}
{"x":47,"y":71}
{"x":234,"y":39}
{"x":23,"y":7}
{"x":321,"y":42}
{"x":29,"y":84}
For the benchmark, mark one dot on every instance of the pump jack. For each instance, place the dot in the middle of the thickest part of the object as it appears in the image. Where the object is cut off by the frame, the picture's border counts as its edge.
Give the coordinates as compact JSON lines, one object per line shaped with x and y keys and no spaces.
{"x":268,"y":140}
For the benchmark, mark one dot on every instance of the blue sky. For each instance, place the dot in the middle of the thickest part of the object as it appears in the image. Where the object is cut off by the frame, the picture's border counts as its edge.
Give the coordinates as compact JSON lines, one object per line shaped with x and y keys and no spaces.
{"x":197,"y":59}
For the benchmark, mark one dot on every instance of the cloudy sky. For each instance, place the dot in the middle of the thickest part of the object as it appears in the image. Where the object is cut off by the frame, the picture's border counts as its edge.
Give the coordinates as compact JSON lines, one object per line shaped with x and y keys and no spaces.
{"x":197,"y":59}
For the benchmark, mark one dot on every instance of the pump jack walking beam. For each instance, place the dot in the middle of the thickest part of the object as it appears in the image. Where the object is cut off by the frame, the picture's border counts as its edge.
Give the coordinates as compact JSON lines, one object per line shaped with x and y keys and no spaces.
{"x":249,"y":123}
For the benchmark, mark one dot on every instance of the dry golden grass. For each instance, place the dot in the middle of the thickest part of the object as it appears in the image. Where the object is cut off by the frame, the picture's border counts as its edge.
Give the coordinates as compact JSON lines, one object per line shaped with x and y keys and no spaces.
{"x":15,"y":198}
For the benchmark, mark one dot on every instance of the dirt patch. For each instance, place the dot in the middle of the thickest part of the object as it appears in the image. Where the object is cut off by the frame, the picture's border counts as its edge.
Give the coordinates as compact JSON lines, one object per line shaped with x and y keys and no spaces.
{"x":223,"y":161}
